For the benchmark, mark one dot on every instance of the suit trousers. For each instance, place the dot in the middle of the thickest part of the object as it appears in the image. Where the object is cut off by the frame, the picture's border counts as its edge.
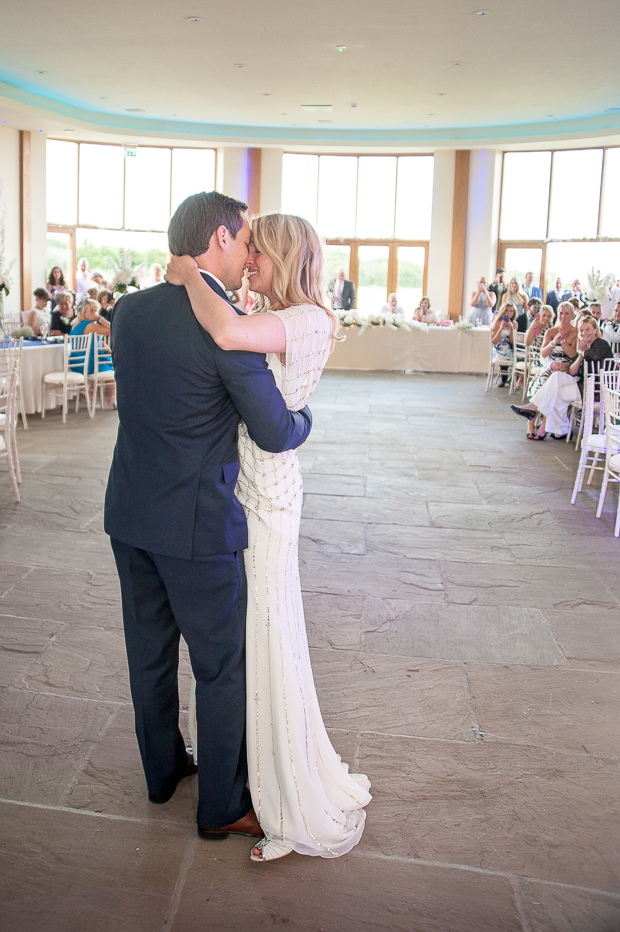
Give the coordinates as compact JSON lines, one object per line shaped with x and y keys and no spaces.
{"x":205,"y":601}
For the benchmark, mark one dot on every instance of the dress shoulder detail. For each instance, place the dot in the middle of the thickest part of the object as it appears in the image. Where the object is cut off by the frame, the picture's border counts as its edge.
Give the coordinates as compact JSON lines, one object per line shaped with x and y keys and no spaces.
{"x":308,"y":344}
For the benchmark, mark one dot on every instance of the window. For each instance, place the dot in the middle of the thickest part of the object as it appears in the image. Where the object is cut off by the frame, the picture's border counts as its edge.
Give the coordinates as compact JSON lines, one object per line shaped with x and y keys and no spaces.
{"x":337,"y":195}
{"x":373,"y":276}
{"x":147,"y":189}
{"x":101,"y":186}
{"x":414,"y":197}
{"x":336,"y":257}
{"x":376,"y":197}
{"x":62,"y":182}
{"x":300,"y":181}
{"x":193,"y":170}
{"x":610,"y":209}
{"x":525,"y":195}
{"x":575,"y":192}
{"x":410,"y":277}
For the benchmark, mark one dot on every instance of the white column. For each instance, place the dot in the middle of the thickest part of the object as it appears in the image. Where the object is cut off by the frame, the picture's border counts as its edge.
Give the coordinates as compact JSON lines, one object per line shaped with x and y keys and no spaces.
{"x":485,"y":169}
{"x":232,"y":171}
{"x":440,"y":246}
{"x":9,"y":212}
{"x":39,"y":214}
{"x":271,"y":181}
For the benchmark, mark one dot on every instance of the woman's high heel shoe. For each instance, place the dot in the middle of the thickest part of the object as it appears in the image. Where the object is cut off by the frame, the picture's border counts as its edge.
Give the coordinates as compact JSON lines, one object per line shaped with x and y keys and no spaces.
{"x":267,"y":850}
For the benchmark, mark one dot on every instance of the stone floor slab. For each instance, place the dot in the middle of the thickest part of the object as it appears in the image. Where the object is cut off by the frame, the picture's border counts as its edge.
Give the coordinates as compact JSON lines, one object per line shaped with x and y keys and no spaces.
{"x":66,"y":872}
{"x":565,"y":709}
{"x":474,"y":633}
{"x":531,"y":811}
{"x":392,"y":695}
{"x":355,"y":894}
{"x":81,"y":597}
{"x":554,"y":908}
{"x":373,"y":574}
{"x":332,"y":536}
{"x":438,"y":543}
{"x":333,"y":620}
{"x":21,"y":641}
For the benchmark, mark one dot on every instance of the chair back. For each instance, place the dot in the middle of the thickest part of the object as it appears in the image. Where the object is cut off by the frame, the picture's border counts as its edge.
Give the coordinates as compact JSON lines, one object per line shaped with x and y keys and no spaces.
{"x":11,"y":354}
{"x":588,"y":405}
{"x":77,"y":353}
{"x":612,"y":417}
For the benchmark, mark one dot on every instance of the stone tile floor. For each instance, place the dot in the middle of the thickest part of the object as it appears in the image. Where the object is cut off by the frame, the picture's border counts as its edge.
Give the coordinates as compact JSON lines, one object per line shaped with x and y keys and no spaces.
{"x":463,"y":619}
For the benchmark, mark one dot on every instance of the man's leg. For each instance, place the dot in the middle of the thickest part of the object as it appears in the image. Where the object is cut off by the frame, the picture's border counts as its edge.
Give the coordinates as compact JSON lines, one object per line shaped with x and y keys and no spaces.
{"x":152,"y":640}
{"x":208,"y":599}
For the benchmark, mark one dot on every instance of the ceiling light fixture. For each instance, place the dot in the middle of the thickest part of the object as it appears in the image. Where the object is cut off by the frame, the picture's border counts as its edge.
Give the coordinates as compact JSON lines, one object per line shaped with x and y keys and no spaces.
{"x":69,"y":131}
{"x":134,"y":110}
{"x":456,"y":63}
{"x":317,"y":108}
{"x":268,"y":94}
{"x":103,"y":98}
{"x":194,"y":19}
{"x":341,"y":48}
{"x":481,"y":12}
{"x":239,"y":65}
{"x":441,"y":93}
{"x":41,"y":72}
{"x":326,"y":121}
{"x":354,"y":106}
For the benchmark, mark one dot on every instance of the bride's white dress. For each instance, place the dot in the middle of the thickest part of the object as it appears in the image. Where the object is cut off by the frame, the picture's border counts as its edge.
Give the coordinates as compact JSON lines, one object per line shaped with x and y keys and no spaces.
{"x":304,"y":796}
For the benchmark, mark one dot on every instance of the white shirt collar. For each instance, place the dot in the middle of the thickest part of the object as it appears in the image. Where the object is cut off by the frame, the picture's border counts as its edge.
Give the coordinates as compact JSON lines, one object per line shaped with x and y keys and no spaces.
{"x":215,"y":279}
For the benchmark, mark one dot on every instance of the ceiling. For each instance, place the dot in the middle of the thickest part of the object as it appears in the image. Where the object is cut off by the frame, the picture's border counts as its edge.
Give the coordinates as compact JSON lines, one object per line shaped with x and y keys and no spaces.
{"x":411,"y":71}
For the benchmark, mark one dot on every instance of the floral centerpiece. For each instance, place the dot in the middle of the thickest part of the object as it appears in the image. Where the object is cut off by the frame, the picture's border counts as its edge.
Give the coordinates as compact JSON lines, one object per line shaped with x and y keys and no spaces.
{"x":126,"y":277}
{"x":598,"y":287}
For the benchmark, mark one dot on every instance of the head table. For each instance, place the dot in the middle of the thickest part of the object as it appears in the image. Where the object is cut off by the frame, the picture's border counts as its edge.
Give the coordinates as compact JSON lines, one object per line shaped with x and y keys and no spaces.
{"x":439,"y":349}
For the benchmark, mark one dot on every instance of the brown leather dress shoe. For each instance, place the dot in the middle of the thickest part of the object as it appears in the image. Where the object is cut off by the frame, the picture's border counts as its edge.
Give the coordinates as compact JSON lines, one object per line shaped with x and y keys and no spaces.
{"x":247,"y":825}
{"x":190,"y":769}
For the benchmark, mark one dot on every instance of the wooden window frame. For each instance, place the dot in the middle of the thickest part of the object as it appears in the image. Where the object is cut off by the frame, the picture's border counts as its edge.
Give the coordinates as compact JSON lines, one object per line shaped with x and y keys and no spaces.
{"x":393,"y":245}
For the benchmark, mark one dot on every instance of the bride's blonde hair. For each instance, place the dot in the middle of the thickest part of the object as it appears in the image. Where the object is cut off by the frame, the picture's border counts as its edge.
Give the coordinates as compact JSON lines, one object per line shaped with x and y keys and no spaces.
{"x":294,"y":247}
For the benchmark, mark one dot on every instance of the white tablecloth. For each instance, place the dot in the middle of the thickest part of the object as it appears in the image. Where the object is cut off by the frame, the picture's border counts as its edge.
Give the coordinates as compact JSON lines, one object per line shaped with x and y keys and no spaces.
{"x":36,"y":360}
{"x":441,"y":349}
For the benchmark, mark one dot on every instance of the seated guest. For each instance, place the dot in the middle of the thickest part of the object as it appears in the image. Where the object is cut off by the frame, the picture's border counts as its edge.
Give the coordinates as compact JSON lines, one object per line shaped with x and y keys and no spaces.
{"x":611,"y":329}
{"x":528,"y":288}
{"x":423,"y":313}
{"x":156,"y":277}
{"x":482,"y":301}
{"x":342,"y":291}
{"x":392,"y":307}
{"x":37,"y":317}
{"x":552,"y":391}
{"x":519,"y":301}
{"x":591,"y":348}
{"x":106,"y":301}
{"x":502,"y":339}
{"x":576,"y":303}
{"x":55,"y":282}
{"x":595,"y":310}
{"x":543,"y":320}
{"x":89,"y":320}
{"x":62,"y":315}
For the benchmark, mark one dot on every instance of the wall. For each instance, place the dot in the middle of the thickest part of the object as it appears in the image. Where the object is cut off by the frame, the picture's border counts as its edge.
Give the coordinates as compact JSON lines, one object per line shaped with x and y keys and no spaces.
{"x":39,"y":219}
{"x":440,"y":246}
{"x":9,"y":206}
{"x":271,"y":181}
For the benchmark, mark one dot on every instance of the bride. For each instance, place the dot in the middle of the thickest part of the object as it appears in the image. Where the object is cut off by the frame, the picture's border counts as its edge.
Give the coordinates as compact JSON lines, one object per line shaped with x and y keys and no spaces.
{"x":304,"y":797}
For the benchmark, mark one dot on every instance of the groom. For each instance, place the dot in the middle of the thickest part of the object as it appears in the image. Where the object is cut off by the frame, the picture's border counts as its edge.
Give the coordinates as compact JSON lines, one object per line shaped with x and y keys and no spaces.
{"x":176,"y":528}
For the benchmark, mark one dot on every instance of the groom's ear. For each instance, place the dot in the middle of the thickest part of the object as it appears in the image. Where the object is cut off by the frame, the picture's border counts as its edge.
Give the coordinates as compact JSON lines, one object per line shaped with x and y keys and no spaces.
{"x":221,"y":238}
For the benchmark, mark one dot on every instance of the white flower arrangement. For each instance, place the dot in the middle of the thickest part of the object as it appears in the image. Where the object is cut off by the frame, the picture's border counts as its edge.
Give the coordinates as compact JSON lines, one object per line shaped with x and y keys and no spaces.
{"x":26,"y":332}
{"x":598,"y":288}
{"x":463,"y":325}
{"x":126,"y":277}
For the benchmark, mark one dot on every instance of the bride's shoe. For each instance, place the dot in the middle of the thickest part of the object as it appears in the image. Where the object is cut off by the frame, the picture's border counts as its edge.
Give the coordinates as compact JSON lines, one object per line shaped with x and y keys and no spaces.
{"x":267,"y":850}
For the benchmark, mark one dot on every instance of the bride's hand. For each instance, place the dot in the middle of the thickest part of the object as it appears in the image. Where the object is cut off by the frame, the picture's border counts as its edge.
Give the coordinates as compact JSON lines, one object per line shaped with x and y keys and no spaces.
{"x":180,"y":270}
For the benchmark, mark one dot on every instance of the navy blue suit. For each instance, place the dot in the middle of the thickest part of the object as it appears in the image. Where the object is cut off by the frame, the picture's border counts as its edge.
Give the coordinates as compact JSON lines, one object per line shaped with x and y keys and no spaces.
{"x":178,"y":531}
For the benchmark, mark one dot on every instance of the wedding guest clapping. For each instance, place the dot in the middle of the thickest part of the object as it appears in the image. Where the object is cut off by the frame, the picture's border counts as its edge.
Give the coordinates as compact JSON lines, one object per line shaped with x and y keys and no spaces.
{"x":502,"y":339}
{"x":424,"y":314}
{"x":543,"y":320}
{"x":518,"y":300}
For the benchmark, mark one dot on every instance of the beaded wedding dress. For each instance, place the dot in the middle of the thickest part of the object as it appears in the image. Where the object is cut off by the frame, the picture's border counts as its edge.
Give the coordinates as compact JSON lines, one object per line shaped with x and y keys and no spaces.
{"x":304,"y":796}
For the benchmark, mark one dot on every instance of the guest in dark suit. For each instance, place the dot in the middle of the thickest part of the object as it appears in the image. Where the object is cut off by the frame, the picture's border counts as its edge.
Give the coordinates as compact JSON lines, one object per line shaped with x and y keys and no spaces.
{"x":342,"y":292}
{"x":177,"y":530}
{"x":555,"y":298}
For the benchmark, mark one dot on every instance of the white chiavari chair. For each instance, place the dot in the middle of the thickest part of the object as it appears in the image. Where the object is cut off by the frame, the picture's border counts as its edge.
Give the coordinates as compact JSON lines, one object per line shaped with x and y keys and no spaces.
{"x":8,"y":417}
{"x":73,"y":378}
{"x":11,"y":356}
{"x":593,"y":445}
{"x":612,"y":460}
{"x":100,"y":379}
{"x":519,"y":363}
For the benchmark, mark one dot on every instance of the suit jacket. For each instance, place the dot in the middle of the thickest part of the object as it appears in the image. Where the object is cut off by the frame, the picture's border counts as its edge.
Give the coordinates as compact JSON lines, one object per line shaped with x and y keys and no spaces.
{"x":554,"y":302}
{"x":348,"y":294}
{"x":535,"y":291}
{"x":180,"y":399}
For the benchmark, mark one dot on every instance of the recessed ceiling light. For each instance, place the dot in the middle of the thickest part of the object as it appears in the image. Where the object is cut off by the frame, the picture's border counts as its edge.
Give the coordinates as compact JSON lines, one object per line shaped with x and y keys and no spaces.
{"x":341,"y":48}
{"x":550,"y":114}
{"x":481,"y":12}
{"x":194,"y":19}
{"x":239,"y":65}
{"x":326,"y":121}
{"x":266,"y":95}
{"x":41,"y":72}
{"x":354,"y":106}
{"x":134,"y":110}
{"x":69,"y":131}
{"x":456,"y":63}
{"x":317,"y":108}
{"x":441,"y":93}
{"x":103,"y":98}
{"x":430,"y":114}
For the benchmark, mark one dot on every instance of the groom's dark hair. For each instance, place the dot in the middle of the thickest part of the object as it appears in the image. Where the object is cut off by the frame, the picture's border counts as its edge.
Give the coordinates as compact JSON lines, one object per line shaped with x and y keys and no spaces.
{"x":197,"y":218}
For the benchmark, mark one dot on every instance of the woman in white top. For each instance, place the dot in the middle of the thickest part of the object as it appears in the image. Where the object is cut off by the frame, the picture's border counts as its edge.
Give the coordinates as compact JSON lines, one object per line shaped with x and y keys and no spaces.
{"x":303,"y":795}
